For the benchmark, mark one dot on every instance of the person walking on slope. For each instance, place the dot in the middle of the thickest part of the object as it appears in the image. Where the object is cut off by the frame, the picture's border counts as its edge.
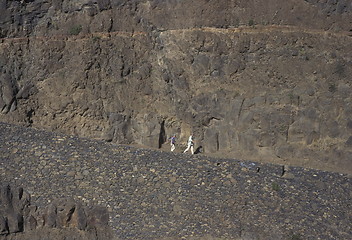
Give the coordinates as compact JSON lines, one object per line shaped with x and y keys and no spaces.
{"x":172,"y":142}
{"x":190,"y":144}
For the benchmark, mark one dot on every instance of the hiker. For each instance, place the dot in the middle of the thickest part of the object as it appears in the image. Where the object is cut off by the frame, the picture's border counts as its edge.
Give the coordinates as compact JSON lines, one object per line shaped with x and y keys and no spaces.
{"x":172,"y":142}
{"x":190,"y":144}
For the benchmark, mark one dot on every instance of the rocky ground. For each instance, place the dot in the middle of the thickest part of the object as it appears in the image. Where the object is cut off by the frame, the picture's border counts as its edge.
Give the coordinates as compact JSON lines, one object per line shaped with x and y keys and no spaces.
{"x":161,"y":195}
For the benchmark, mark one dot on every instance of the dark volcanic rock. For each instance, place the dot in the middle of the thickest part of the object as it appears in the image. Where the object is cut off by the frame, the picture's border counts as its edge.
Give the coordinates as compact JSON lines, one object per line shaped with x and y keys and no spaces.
{"x":13,"y":203}
{"x":148,"y":194}
{"x":61,"y":219}
{"x":261,"y":80}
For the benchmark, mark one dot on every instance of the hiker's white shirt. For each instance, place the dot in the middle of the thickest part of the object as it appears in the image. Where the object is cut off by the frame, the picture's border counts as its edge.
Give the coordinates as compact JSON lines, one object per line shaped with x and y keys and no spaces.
{"x":190,"y":145}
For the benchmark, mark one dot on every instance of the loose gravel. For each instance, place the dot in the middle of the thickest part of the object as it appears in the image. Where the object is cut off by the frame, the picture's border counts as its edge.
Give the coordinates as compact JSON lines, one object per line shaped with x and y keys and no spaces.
{"x":154,"y":194}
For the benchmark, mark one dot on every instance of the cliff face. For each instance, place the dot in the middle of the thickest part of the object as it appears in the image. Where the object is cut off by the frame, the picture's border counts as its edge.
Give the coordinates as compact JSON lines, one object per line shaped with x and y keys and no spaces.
{"x":267,"y":81}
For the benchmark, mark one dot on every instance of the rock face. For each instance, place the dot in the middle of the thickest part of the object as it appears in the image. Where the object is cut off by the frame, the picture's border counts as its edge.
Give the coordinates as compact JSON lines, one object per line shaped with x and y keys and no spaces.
{"x":13,"y":203}
{"x":266,"y":80}
{"x":62,"y":219}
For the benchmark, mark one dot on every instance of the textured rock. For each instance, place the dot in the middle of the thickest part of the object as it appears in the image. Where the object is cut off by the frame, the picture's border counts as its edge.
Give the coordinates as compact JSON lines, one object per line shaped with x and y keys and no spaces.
{"x":261,"y":80}
{"x":149,"y":194}
{"x":13,"y":203}
{"x":21,"y":220}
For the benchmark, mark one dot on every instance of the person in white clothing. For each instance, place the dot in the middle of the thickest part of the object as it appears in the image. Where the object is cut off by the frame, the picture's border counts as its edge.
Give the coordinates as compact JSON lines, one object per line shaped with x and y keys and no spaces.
{"x":172,"y":142}
{"x":190,"y":144}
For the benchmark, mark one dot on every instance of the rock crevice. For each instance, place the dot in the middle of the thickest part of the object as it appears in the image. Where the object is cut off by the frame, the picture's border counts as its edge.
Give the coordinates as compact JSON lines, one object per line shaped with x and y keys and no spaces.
{"x":19,"y":219}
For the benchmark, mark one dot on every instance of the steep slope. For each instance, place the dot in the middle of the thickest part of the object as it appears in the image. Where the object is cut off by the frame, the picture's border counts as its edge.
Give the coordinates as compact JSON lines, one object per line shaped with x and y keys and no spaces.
{"x":260,"y":80}
{"x":158,"y":195}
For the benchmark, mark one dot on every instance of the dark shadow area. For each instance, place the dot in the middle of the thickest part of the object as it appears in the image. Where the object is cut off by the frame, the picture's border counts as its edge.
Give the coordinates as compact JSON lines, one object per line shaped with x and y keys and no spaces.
{"x":198,"y":150}
{"x":162,"y":134}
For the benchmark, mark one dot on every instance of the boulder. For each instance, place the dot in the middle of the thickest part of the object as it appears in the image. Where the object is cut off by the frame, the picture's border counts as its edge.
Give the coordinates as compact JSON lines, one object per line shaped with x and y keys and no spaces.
{"x":21,"y":220}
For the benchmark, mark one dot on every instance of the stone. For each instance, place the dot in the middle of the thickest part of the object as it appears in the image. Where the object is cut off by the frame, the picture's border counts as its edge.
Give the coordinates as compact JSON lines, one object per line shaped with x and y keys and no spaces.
{"x":208,"y":194}
{"x":349,"y":124}
{"x":21,"y":217}
{"x":249,"y":236}
{"x":4,"y":229}
{"x":32,"y":223}
{"x":349,"y":142}
{"x":79,"y":217}
{"x":79,"y":176}
{"x":50,"y":216}
{"x":26,"y":91}
{"x":15,"y":222}
{"x":134,"y":72}
{"x":245,"y":118}
{"x":65,"y":209}
{"x":71,"y":173}
{"x":8,"y":89}
{"x":103,"y":5}
{"x":97,"y":216}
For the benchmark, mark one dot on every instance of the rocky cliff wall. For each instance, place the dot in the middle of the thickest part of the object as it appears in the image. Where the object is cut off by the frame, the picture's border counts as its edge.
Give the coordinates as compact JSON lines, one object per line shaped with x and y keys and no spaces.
{"x":59,"y":17}
{"x":268,"y":81}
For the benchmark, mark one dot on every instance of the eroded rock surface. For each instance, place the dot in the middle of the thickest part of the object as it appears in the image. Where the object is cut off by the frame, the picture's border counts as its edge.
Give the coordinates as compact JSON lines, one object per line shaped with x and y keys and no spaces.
{"x":260,"y":80}
{"x":61,"y":219}
{"x":158,"y":195}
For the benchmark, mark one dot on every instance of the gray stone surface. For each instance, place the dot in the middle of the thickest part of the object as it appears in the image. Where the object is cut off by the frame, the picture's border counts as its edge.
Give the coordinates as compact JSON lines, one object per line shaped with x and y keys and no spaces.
{"x":20,"y":219}
{"x":265,"y":81}
{"x":158,"y":195}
